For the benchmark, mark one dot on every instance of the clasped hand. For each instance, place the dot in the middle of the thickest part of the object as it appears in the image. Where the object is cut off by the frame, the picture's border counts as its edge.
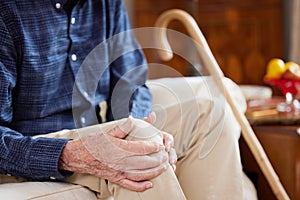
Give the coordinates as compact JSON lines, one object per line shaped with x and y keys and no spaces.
{"x":129,"y":163}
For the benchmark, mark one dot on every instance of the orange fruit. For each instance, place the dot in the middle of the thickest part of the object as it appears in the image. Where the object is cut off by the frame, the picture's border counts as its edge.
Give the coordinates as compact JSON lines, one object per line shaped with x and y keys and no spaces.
{"x":275,"y":68}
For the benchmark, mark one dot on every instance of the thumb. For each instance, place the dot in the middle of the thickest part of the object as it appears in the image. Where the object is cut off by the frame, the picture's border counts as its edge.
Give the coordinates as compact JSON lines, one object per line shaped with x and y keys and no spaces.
{"x":122,"y":130}
{"x":151,"y":118}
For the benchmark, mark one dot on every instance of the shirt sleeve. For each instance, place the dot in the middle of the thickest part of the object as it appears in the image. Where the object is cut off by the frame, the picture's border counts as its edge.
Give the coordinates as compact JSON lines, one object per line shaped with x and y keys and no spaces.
{"x":129,"y":71}
{"x":20,"y":155}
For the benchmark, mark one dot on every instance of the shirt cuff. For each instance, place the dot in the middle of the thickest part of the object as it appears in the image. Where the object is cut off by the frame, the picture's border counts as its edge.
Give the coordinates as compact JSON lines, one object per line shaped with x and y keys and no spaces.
{"x":44,"y":157}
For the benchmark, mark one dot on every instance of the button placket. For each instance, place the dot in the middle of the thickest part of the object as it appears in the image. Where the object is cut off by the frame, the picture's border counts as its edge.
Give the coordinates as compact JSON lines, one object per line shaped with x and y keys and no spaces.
{"x":74,"y":53}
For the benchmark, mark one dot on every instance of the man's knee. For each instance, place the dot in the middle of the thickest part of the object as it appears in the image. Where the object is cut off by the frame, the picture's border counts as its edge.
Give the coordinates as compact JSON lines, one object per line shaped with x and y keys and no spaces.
{"x":143,"y":131}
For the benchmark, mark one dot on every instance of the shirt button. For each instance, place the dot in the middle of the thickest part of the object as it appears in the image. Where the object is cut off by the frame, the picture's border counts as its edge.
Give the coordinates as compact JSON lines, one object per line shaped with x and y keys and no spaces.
{"x":73,"y":20}
{"x":58,"y":5}
{"x":82,"y":120}
{"x":86,"y":94}
{"x":74,"y":57}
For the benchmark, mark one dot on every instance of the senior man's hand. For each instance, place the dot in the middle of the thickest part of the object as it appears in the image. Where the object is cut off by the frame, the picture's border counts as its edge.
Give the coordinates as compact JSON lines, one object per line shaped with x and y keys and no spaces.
{"x":168,"y":141}
{"x":131,"y":164}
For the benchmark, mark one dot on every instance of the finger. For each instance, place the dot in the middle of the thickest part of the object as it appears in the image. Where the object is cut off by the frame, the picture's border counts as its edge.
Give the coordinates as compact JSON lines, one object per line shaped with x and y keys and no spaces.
{"x":151,"y":118}
{"x":135,"y":186}
{"x":173,"y":167}
{"x":142,"y":175}
{"x":122,"y":130}
{"x":172,"y":156}
{"x":168,"y":141}
{"x":119,"y":178}
{"x":141,"y":162}
{"x":140,"y":147}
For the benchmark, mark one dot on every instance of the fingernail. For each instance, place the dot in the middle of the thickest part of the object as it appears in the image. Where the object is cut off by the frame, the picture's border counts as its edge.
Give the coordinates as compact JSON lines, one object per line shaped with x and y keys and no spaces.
{"x":162,"y":147}
{"x":174,"y":167}
{"x":149,"y":185}
{"x":168,"y":147}
{"x":153,"y":116}
{"x":126,"y":127}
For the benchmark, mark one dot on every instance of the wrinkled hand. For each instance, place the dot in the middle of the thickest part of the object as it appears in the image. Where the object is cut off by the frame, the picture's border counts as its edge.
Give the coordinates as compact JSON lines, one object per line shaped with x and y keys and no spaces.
{"x":168,"y":141}
{"x":130,"y":164}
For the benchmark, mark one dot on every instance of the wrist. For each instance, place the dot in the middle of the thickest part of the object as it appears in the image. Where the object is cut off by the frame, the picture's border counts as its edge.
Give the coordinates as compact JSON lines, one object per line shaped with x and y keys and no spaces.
{"x":67,"y":155}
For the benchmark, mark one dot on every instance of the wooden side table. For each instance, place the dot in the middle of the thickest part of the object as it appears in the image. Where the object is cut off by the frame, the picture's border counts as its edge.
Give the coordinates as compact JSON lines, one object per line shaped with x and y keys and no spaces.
{"x":282,"y":146}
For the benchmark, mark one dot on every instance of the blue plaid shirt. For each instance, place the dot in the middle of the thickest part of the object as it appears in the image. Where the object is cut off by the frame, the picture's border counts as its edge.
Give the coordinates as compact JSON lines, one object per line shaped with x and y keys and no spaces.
{"x":44,"y":47}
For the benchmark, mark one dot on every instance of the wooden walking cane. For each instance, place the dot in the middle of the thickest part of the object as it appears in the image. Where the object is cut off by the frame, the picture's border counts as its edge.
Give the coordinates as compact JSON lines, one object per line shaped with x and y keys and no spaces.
{"x":217,"y":74}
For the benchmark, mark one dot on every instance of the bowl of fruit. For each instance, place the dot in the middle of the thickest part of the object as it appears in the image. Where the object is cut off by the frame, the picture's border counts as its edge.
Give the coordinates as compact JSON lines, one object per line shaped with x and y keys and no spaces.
{"x":286,"y":76}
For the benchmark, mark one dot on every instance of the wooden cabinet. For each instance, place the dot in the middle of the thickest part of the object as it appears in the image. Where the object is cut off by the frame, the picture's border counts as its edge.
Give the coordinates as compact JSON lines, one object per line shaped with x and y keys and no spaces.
{"x":243,"y":34}
{"x":282,"y":146}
